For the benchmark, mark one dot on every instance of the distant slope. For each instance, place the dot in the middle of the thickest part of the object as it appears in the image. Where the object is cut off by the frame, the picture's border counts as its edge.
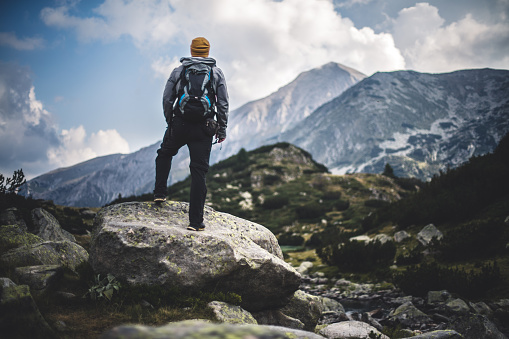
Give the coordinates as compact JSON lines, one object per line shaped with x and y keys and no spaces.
{"x":98,"y":181}
{"x":419,"y":123}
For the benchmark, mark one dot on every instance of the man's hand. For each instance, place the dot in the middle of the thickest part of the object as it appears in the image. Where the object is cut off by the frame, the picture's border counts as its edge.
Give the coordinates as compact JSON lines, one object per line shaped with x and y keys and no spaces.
{"x":220,"y":140}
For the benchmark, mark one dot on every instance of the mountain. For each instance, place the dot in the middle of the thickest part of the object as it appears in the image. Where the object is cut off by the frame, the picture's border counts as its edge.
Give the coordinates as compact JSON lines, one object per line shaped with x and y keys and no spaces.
{"x":260,"y":122}
{"x":99,"y":181}
{"x":419,"y":123}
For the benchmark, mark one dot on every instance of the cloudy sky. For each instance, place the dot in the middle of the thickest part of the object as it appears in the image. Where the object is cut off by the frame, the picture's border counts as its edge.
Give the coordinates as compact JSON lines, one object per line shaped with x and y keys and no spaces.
{"x":81,"y":79}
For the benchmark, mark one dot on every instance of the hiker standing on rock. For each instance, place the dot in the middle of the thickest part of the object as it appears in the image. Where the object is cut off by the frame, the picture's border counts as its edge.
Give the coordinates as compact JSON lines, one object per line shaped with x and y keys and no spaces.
{"x":195,"y":103}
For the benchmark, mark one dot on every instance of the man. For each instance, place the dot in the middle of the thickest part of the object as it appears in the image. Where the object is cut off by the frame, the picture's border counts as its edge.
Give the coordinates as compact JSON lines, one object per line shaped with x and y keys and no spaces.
{"x":186,"y":114}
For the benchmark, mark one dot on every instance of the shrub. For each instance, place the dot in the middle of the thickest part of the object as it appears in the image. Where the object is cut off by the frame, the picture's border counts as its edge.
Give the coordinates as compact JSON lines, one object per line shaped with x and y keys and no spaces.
{"x":357,"y":256}
{"x":376,"y":203}
{"x":310,"y":210}
{"x":331,"y":195}
{"x":342,"y":205}
{"x":418,"y":280}
{"x":275,"y":202}
{"x":290,"y":239}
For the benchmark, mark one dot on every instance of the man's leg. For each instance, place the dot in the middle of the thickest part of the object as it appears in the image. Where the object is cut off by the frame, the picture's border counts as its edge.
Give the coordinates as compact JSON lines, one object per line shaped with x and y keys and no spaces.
{"x":199,"y":151}
{"x":169,"y":147}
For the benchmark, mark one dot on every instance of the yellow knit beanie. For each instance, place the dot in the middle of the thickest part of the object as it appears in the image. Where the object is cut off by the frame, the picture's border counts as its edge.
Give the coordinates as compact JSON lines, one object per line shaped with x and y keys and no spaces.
{"x":200,"y":47}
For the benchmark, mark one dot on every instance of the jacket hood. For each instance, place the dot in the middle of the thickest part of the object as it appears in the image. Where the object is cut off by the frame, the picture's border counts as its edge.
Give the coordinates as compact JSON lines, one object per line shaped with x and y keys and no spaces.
{"x":187,"y":61}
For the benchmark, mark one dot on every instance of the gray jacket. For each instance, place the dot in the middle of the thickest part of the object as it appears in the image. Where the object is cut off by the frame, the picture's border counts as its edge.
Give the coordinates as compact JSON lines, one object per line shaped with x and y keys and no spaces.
{"x":173,"y":86}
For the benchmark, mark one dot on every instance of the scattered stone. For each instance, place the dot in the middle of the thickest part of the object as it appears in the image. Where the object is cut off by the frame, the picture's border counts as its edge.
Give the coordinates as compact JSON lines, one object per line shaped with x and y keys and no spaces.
{"x":351,"y":329}
{"x":6,"y":282}
{"x":277,"y":318}
{"x":39,"y":278}
{"x":409,"y":315}
{"x":481,"y":308}
{"x":400,"y":236}
{"x":476,"y":326}
{"x":48,"y":228}
{"x":230,"y":314}
{"x":202,"y":329}
{"x":444,"y":334}
{"x":438,"y":297}
{"x":148,"y":243}
{"x":363,"y":238}
{"x":382,"y":238}
{"x":428,"y":233}
{"x":305,"y":307}
{"x":304,"y":267}
{"x":457,"y":306}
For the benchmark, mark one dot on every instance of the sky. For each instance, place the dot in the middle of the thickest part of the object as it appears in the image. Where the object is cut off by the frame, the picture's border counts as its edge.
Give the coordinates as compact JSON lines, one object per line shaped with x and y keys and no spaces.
{"x":82,"y":79}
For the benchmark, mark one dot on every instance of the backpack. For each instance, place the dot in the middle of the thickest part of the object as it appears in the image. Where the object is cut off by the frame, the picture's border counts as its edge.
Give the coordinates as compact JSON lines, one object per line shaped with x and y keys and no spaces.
{"x":196,"y":97}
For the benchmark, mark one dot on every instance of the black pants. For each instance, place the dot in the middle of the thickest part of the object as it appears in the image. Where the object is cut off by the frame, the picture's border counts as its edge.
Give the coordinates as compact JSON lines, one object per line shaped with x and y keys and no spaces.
{"x":199,"y":143}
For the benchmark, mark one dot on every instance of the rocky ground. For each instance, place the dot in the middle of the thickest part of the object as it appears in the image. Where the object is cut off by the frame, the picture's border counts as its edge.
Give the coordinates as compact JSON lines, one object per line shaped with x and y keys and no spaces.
{"x":380,"y":306}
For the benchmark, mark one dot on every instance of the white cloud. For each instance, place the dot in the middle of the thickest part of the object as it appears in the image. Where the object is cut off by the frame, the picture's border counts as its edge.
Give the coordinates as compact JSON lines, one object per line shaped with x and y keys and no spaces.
{"x":260,"y":44}
{"x":10,"y":39}
{"x":76,"y":147}
{"x":29,"y":137}
{"x":430,"y":46}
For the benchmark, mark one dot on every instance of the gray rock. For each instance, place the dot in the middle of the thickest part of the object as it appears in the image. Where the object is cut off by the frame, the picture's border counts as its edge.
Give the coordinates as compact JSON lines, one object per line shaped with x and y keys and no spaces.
{"x":39,"y":278}
{"x":6,"y":282}
{"x":148,"y":243}
{"x":62,"y":253}
{"x":277,"y":318}
{"x":443,"y":334}
{"x":21,"y":317}
{"x":230,"y":314}
{"x":457,"y":306}
{"x":438,"y":297}
{"x":304,"y":267}
{"x":476,"y":326}
{"x":400,"y":236}
{"x":12,"y":236}
{"x":201,"y":329}
{"x":350,"y":329}
{"x":382,"y":238}
{"x":409,"y":315}
{"x":11,"y":216}
{"x":481,"y":308}
{"x":48,"y":228}
{"x":428,"y":233}
{"x":305,"y":307}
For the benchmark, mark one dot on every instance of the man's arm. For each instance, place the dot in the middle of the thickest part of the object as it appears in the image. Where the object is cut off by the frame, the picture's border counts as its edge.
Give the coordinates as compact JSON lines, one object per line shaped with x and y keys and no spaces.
{"x":170,"y":93}
{"x":222,"y":104}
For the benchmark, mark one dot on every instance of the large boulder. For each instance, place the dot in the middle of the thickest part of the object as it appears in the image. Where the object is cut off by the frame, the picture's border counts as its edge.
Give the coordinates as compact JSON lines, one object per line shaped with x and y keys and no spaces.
{"x":62,"y":253}
{"x":21,"y":317}
{"x":202,"y":329}
{"x":48,"y":228}
{"x":148,"y":243}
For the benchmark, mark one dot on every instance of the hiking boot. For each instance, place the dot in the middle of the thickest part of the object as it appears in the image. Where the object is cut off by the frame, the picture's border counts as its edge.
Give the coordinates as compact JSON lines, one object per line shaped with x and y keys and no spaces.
{"x":194,"y":227}
{"x":159,"y":197}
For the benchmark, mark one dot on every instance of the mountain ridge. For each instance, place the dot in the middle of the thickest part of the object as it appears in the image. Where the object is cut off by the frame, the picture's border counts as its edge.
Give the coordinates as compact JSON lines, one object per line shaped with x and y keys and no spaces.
{"x":96,"y":187}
